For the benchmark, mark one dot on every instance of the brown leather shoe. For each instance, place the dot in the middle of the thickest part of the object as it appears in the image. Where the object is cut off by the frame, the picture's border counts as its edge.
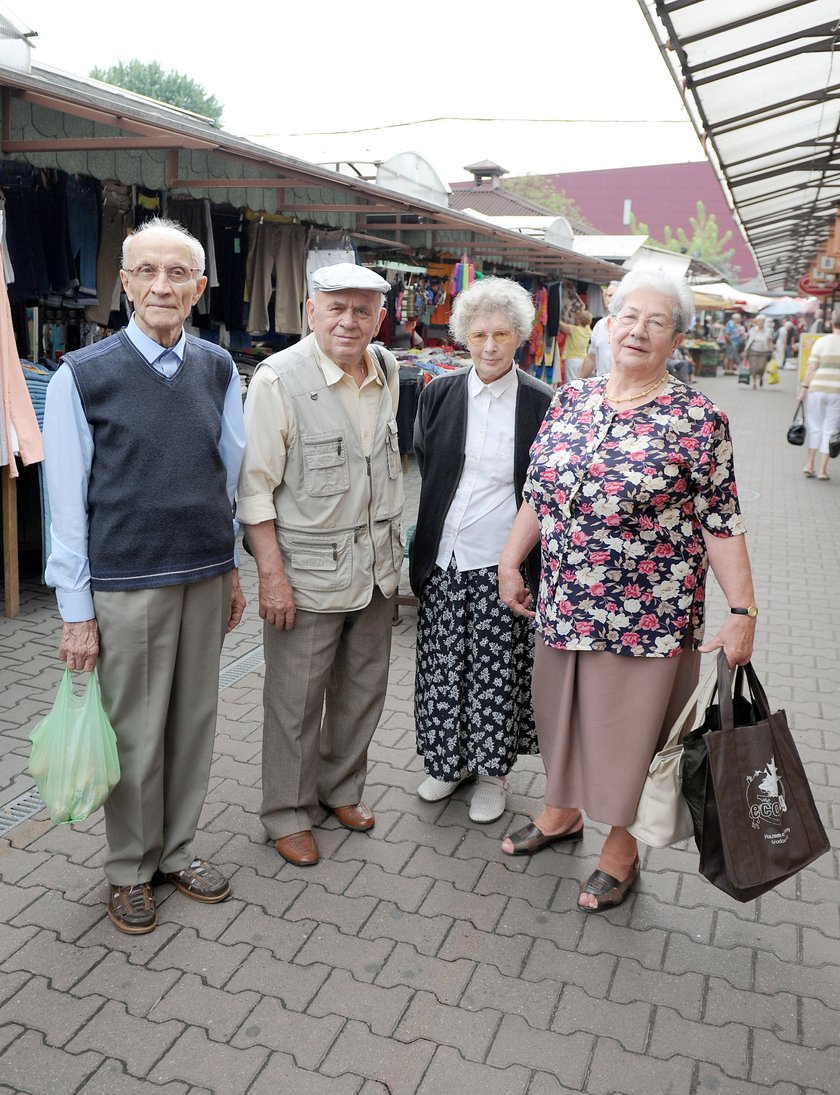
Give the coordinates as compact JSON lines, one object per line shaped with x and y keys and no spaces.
{"x":201,"y":881}
{"x":298,"y":848}
{"x":132,"y":908}
{"x":358,"y":817}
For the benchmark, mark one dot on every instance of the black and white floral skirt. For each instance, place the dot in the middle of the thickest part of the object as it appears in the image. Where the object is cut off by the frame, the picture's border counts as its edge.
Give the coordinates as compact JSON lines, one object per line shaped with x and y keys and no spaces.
{"x":472,"y":696}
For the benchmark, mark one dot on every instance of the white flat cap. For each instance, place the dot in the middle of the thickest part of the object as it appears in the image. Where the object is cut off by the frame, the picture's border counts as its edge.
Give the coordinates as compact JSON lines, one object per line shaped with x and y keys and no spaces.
{"x":346,"y":275}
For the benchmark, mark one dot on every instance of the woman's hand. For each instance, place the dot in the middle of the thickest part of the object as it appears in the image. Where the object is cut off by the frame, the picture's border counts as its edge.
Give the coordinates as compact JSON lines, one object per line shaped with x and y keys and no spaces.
{"x":524,"y":535}
{"x":514,"y":593}
{"x":735,"y":638}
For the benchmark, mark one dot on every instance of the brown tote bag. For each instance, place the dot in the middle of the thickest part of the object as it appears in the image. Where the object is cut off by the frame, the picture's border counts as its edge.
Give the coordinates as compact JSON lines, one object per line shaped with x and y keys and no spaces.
{"x":759,"y":821}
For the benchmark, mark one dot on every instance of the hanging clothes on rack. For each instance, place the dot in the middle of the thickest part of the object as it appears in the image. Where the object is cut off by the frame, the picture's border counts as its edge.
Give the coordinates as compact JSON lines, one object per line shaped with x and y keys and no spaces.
{"x":19,"y":433}
{"x":117,"y":222}
{"x":230,"y":239}
{"x":194,"y":215}
{"x":278,"y":249}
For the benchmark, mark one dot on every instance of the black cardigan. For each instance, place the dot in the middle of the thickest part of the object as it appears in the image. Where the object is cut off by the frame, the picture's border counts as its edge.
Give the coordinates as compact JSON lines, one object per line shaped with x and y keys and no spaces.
{"x":440,"y":432}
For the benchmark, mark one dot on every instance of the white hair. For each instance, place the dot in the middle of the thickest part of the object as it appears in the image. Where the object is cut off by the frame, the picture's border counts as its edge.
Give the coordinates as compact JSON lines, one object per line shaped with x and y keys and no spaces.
{"x":660,"y":281}
{"x":492,"y":295}
{"x":156,"y":223}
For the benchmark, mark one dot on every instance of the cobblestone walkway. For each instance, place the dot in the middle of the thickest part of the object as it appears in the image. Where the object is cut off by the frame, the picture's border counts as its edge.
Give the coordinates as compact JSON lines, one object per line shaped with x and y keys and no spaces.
{"x":416,"y":958}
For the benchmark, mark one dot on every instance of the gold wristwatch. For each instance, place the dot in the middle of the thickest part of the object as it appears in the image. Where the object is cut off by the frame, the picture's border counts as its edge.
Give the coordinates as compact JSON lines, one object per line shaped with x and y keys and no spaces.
{"x":750,"y":610}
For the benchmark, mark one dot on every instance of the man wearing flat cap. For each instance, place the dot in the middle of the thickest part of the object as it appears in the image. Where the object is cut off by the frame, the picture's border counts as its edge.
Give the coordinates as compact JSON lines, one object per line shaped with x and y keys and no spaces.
{"x":320,"y":494}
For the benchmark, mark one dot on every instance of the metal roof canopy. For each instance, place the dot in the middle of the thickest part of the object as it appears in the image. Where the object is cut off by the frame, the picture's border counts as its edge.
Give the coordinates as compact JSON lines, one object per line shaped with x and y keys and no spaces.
{"x":761,"y":82}
{"x":392,"y":222}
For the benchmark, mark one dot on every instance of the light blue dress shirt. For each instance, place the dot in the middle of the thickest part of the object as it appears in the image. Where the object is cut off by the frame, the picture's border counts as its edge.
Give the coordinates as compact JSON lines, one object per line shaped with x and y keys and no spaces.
{"x":68,"y":455}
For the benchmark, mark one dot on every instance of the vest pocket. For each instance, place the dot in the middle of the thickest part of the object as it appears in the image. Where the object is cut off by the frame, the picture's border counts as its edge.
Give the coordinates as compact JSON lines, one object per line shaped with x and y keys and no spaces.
{"x":392,"y":444}
{"x":317,"y":563}
{"x":388,"y":545}
{"x":325,"y":469}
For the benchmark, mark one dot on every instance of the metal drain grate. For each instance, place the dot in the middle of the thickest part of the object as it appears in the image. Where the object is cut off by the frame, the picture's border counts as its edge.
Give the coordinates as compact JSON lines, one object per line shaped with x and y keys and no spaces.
{"x":19,"y":810}
{"x":233,"y":673}
{"x":27,"y":805}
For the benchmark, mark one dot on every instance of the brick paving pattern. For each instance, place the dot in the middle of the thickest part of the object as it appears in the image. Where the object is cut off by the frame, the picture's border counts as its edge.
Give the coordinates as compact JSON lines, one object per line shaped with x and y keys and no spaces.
{"x":416,"y":958}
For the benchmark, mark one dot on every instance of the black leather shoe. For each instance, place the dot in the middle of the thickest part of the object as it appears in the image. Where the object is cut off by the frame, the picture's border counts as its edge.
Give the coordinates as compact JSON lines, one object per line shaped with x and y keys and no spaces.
{"x":132,"y":908}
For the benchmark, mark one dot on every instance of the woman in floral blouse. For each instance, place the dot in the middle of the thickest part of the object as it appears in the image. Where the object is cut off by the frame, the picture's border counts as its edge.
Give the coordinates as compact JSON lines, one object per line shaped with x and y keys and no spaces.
{"x":631,"y":496}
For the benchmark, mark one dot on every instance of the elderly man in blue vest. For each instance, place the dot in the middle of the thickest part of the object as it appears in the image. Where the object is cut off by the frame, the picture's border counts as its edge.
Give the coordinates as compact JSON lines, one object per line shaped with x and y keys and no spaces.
{"x":144,"y":434}
{"x":321,"y":495}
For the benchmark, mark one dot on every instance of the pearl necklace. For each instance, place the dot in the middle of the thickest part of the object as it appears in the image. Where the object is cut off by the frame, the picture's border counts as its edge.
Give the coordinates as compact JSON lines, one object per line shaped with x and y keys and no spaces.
{"x":638,"y":395}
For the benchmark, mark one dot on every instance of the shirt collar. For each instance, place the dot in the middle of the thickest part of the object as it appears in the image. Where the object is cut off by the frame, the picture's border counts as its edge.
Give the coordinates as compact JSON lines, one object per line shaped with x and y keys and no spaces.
{"x":334,"y":373}
{"x":150,"y":349}
{"x":475,"y":385}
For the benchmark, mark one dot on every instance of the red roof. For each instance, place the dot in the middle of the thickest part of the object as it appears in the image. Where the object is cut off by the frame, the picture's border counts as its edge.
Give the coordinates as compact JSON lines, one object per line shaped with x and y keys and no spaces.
{"x":660,"y":195}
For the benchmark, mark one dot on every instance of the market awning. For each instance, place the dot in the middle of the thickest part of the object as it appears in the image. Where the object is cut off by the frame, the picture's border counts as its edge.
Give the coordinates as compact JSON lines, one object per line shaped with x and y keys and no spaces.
{"x":99,"y":124}
{"x":761,"y":82}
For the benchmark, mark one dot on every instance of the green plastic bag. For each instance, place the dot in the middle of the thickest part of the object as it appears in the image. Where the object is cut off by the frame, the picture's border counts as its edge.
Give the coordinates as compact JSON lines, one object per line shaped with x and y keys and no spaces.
{"x":74,"y":758}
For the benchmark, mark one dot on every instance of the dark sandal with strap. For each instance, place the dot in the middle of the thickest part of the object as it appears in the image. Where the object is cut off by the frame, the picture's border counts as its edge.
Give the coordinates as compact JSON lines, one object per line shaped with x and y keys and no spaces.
{"x":530,"y":839}
{"x":608,"y":891}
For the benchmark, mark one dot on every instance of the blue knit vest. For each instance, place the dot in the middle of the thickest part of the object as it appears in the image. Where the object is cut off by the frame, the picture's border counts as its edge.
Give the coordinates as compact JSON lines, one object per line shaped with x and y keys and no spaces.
{"x":158,"y":508}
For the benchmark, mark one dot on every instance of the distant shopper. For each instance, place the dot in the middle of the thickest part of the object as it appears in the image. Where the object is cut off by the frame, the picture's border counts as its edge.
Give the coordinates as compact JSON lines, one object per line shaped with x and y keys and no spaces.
{"x":733,"y":334}
{"x":784,"y":337}
{"x":820,"y":391}
{"x":598,"y":360}
{"x":757,"y":349}
{"x":576,"y":345}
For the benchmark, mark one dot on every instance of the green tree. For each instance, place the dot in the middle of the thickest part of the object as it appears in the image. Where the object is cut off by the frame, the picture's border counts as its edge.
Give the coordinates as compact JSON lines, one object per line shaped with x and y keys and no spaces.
{"x":540,"y":190}
{"x":705,"y":241}
{"x":168,"y":87}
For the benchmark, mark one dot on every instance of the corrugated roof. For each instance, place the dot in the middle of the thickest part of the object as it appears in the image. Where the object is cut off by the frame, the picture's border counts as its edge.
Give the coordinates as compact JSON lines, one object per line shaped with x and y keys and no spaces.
{"x":499,"y":202}
{"x":192,"y":155}
{"x":761,"y":82}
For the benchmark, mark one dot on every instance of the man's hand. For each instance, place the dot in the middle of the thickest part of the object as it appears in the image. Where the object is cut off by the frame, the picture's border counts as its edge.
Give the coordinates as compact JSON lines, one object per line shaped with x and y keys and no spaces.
{"x":79,"y":645}
{"x":237,"y":603}
{"x":277,"y":602}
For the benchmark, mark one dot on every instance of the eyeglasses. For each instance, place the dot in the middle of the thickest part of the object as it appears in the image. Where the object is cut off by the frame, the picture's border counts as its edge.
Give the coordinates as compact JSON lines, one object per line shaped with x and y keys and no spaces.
{"x":501,"y":338}
{"x":175,"y":275}
{"x":653,"y":325}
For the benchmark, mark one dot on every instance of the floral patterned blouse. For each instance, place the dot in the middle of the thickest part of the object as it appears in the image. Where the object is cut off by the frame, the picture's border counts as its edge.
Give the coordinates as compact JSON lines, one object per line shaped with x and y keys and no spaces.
{"x":621,"y":496}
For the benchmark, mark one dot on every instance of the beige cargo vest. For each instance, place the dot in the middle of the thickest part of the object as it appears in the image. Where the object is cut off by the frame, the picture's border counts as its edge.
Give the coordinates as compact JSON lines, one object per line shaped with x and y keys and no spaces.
{"x":337,"y":512}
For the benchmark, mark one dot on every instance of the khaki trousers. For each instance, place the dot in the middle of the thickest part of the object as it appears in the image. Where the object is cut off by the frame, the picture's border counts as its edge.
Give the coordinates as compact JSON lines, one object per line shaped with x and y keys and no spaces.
{"x":325,"y":683}
{"x":159,"y":674}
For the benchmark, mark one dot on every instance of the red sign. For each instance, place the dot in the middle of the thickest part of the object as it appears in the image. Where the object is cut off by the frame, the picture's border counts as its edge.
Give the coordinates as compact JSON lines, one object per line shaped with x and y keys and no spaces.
{"x":810,"y":288}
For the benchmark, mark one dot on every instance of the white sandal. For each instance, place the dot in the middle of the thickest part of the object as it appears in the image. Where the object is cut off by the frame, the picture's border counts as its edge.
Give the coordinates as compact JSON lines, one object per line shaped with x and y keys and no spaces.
{"x":488,"y":801}
{"x":434,"y":790}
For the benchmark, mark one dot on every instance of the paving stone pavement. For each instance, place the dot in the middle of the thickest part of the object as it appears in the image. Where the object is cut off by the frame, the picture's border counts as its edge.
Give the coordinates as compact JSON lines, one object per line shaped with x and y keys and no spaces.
{"x":416,"y":958}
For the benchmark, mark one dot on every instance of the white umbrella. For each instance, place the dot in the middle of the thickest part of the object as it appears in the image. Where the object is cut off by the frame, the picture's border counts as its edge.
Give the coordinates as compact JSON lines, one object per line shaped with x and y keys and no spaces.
{"x":787,"y":306}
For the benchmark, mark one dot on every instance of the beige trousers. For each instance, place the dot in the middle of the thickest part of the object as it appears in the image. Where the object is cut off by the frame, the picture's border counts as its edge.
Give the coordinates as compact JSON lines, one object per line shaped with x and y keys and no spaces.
{"x":325,"y":683}
{"x":159,"y":674}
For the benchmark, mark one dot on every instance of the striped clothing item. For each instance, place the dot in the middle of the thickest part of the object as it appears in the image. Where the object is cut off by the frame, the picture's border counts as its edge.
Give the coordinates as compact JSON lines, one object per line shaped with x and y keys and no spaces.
{"x":827,"y":376}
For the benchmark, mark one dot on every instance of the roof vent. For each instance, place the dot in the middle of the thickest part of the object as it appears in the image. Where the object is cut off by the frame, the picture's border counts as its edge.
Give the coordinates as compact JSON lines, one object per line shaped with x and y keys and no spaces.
{"x":486,"y":173}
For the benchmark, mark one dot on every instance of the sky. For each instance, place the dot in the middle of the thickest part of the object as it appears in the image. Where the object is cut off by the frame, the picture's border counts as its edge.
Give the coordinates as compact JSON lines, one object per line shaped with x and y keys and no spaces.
{"x":563,"y":87}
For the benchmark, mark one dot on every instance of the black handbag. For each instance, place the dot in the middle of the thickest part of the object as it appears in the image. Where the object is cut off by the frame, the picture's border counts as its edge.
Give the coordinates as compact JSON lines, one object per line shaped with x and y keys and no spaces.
{"x":755,"y":821}
{"x":796,"y":430}
{"x":834,"y":444}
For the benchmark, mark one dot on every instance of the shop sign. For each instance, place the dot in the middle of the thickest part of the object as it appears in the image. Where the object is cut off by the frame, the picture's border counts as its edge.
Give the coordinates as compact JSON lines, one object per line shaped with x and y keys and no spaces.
{"x":810,"y":288}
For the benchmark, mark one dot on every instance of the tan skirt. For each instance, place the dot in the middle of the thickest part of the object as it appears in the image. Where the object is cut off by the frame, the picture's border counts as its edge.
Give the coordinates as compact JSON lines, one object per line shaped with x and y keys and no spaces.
{"x":600,"y":718}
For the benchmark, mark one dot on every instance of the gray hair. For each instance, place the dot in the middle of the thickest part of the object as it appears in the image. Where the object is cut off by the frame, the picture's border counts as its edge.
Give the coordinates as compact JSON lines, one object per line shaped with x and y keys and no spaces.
{"x":835,"y":316}
{"x":492,"y":295}
{"x":156,"y":223}
{"x":676,"y":288}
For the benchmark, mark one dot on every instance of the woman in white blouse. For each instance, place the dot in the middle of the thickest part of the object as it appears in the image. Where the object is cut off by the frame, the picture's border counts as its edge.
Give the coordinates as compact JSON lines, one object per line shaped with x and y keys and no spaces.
{"x":474,"y":428}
